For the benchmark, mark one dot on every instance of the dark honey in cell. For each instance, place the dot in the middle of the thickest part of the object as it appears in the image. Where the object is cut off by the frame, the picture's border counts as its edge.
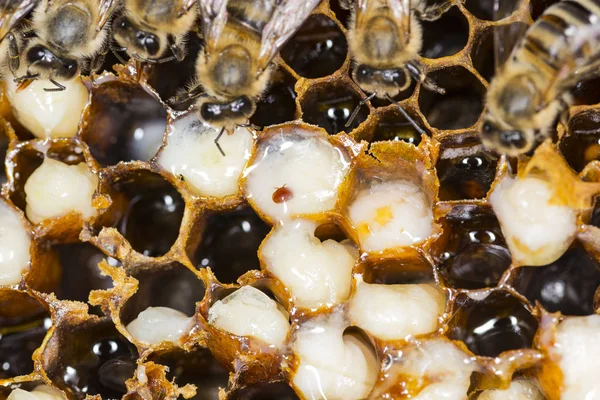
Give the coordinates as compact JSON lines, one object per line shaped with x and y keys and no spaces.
{"x":567,"y":285}
{"x":475,"y":255}
{"x":581,"y":149}
{"x":318,"y":49}
{"x":198,"y":368}
{"x":101,"y":368}
{"x":466,"y":177}
{"x":80,"y":272}
{"x":498,"y":323}
{"x":396,"y":131}
{"x":17,"y":344}
{"x":278,"y":105}
{"x":241,"y":230}
{"x":152,"y":220}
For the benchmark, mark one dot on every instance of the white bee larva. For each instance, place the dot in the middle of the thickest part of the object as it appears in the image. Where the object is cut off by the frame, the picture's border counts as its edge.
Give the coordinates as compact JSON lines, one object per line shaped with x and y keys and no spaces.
{"x":250,"y":312}
{"x":389,"y":215}
{"x":442,"y":366}
{"x":577,"y":348}
{"x":48,"y":114}
{"x":158,"y":324}
{"x":536,"y":231}
{"x":56,"y":189}
{"x":396,"y":311}
{"x":41,"y":392}
{"x":319,"y":274}
{"x":333,"y":365}
{"x":14,"y":246}
{"x":306,"y":168}
{"x":191,"y":154}
{"x":520,"y":389}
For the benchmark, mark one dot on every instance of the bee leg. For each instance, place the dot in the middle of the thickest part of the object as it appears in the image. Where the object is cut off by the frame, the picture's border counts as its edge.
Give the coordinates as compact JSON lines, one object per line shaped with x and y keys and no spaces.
{"x":217,"y":141}
{"x":416,"y":72}
{"x":434,"y":12}
{"x":358,"y":107}
{"x":96,"y":64}
{"x":13,"y":52}
{"x":177,"y":50}
{"x":184,"y":96}
{"x":58,"y":88}
{"x":250,"y":125}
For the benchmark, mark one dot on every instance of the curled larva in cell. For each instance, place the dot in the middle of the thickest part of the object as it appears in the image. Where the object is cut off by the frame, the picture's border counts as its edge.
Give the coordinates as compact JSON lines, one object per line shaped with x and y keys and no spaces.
{"x":41,"y":392}
{"x":333,"y":364}
{"x":519,"y":389}
{"x":430,"y":370}
{"x":295,"y":172}
{"x":158,"y":324}
{"x":539,"y":208}
{"x":394,"y":312}
{"x":319,"y":274}
{"x":15,"y":245}
{"x":390,"y":215}
{"x":250,"y":312}
{"x":191,"y":154}
{"x":48,"y":114}
{"x":576,"y":351}
{"x":530,"y":222}
{"x":55,"y":189}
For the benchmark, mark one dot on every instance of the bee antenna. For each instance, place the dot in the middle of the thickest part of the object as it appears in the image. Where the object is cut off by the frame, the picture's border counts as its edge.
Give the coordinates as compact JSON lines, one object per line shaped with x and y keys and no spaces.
{"x":217,"y":141}
{"x":358,"y":107}
{"x":405,"y":114}
{"x":183,"y":95}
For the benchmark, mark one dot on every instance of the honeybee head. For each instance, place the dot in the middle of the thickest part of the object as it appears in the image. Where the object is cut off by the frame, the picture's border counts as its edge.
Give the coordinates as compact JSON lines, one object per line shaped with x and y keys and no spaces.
{"x":506,"y":140}
{"x":235,"y":112}
{"x":389,"y":81}
{"x":43,"y":62}
{"x":139,"y":43}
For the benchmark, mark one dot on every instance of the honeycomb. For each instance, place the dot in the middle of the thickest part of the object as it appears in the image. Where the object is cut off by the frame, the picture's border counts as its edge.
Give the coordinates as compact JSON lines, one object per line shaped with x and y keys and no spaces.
{"x":156,"y":242}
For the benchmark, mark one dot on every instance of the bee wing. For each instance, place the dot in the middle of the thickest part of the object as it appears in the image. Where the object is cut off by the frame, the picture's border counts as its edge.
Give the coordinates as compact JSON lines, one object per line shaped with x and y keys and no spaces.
{"x":400,"y":12}
{"x":186,"y":6}
{"x":585,"y":62}
{"x":105,"y":10}
{"x":285,"y":21}
{"x":506,"y":37}
{"x":11,"y":12}
{"x":214,"y":17}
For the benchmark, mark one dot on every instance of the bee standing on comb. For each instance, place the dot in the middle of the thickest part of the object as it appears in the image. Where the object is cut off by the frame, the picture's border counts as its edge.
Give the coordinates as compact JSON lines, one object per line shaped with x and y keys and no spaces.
{"x":385,"y":38}
{"x":233,"y":70}
{"x":532,"y":89}
{"x":67,"y":37}
{"x":154,"y":31}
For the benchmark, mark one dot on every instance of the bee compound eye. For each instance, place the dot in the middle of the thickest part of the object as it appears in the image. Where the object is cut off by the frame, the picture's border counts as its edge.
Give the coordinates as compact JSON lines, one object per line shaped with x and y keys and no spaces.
{"x":151,"y":44}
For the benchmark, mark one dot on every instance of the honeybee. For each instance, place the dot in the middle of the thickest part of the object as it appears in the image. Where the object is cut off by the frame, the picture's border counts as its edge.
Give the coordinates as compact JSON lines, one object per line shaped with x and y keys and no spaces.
{"x":385,"y":39}
{"x":11,"y":13}
{"x":532,"y":90}
{"x":241,"y":39}
{"x":149,"y":28}
{"x":68,"y":35}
